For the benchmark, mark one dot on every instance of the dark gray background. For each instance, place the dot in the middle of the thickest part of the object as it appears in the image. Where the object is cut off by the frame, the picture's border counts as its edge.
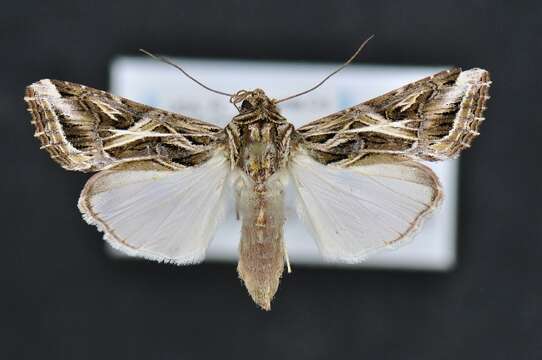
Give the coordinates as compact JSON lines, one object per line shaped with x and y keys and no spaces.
{"x":62,"y":297}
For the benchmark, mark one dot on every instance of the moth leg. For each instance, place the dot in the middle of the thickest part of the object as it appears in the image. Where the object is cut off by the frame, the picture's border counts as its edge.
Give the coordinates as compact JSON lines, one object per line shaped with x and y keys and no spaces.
{"x":287,"y":259}
{"x":238,"y":187}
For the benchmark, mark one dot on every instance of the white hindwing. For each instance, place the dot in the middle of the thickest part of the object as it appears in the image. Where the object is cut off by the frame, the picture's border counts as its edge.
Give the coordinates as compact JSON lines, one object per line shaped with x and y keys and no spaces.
{"x":355,"y":211}
{"x":166,"y":216}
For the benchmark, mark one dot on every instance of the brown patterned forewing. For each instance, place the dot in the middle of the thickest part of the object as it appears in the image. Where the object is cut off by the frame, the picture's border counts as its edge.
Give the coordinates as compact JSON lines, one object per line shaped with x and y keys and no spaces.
{"x":430,"y":119}
{"x":89,"y":130}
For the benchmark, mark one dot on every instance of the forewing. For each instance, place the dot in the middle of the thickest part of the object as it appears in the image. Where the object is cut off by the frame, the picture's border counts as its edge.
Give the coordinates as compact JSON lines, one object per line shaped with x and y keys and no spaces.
{"x":89,"y":130}
{"x":376,"y":203}
{"x":161,"y":215}
{"x":431,"y":119}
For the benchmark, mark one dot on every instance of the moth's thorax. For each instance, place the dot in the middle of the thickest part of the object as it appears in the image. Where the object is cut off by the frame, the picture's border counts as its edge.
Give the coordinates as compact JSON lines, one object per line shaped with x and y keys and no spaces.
{"x":259,"y":137}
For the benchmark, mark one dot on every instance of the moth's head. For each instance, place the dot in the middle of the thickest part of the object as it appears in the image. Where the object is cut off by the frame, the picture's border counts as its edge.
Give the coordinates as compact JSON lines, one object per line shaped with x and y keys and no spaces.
{"x":251,"y":100}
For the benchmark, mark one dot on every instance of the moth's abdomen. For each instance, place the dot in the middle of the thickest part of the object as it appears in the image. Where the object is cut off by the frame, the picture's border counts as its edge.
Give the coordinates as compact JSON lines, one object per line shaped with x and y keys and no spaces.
{"x":261,"y":250}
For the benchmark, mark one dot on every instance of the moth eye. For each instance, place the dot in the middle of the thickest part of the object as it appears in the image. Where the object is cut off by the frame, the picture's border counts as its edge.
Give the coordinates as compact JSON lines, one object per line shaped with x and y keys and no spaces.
{"x":246,"y":105}
{"x":246,"y":157}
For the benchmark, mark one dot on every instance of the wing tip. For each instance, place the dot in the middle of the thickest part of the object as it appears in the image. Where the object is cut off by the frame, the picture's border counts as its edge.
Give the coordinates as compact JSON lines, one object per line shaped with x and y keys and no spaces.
{"x":473,"y":87}
{"x":40,"y":97}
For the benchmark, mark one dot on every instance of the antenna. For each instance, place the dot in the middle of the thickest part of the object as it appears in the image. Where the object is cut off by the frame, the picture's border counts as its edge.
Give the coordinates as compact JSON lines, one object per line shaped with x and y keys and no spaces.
{"x":330,"y":75}
{"x":169,"y":62}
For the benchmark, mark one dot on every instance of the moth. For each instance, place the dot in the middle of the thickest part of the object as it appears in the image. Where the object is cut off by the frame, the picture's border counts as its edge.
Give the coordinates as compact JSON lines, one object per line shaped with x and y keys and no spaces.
{"x":162,"y":179}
